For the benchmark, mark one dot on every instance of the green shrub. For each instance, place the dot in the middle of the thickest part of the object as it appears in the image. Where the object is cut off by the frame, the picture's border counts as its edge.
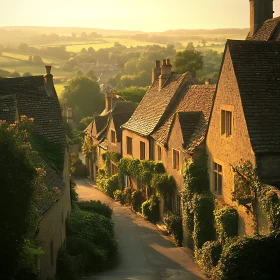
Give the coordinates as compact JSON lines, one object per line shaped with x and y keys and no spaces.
{"x":94,"y":228}
{"x":174,"y":226}
{"x":66,"y":267}
{"x":204,"y":229}
{"x":95,"y":206}
{"x":255,"y":258}
{"x":106,"y":184}
{"x":127,"y":195}
{"x":137,"y":199}
{"x":118,"y":196}
{"x":226,"y":220}
{"x":150,"y":209}
{"x":208,"y":256}
{"x":92,"y":259}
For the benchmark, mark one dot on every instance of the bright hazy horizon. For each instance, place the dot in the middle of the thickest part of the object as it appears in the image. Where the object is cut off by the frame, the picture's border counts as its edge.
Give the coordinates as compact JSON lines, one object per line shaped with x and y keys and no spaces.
{"x":142,"y":15}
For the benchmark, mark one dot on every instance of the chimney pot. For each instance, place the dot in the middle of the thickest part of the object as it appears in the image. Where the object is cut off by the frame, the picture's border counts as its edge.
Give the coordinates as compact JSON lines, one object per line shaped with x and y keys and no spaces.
{"x":48,"y":69}
{"x":156,"y":71}
{"x":168,"y":61}
{"x":157,"y":63}
{"x":163,"y":62}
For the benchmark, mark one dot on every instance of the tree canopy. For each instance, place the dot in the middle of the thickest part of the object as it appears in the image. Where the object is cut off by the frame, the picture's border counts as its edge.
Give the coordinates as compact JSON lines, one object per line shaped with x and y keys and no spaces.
{"x":84,"y":96}
{"x":133,"y":94}
{"x":188,"y":60}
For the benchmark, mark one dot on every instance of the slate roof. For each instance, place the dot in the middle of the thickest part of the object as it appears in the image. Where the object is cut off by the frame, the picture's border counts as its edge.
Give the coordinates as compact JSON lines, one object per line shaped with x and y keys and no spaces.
{"x":270,"y":30}
{"x":257,"y":68}
{"x":188,"y":122}
{"x":191,"y":100}
{"x":34,"y":102}
{"x":154,"y":104}
{"x":28,"y":95}
{"x":8,"y":108}
{"x":120,"y":114}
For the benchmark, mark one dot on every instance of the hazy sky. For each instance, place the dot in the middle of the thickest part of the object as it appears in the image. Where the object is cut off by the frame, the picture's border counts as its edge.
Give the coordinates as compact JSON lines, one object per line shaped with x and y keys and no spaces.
{"x":144,"y":15}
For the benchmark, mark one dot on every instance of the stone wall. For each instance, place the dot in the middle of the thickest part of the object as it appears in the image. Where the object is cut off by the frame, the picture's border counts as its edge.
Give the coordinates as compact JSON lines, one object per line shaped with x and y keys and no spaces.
{"x":228,"y":151}
{"x":52,"y":232}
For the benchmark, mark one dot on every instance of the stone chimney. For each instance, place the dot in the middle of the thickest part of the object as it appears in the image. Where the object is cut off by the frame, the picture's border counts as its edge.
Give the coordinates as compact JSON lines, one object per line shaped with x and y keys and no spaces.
{"x":165,"y":73}
{"x":48,"y":78}
{"x":114,"y":98}
{"x":156,"y":71}
{"x":260,"y":11}
{"x":108,"y":101}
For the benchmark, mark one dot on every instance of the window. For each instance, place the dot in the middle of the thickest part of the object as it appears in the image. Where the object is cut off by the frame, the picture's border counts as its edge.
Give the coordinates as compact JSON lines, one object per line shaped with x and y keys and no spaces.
{"x":142,"y":150}
{"x":158,"y":152}
{"x":129,"y":145}
{"x":114,"y":169}
{"x":175,"y":158}
{"x":226,"y":123}
{"x":217,"y":178}
{"x":113,"y":136}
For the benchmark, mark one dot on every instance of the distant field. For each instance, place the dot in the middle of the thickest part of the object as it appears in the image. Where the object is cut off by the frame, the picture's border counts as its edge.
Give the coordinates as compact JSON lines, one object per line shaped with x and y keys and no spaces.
{"x":19,"y":62}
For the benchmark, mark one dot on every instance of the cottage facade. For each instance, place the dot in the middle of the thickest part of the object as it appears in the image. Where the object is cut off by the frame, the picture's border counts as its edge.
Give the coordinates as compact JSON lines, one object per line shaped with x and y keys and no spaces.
{"x":169,"y":124}
{"x":35,"y":97}
{"x":105,"y":131}
{"x":245,"y":117}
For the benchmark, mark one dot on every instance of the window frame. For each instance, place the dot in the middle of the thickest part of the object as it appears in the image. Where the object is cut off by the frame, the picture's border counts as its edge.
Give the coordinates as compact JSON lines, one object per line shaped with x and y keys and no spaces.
{"x":226,"y":121}
{"x":217,"y":178}
{"x":142,"y":150}
{"x":159,"y":153}
{"x":129,"y":145}
{"x":113,"y":136}
{"x":176,"y":164}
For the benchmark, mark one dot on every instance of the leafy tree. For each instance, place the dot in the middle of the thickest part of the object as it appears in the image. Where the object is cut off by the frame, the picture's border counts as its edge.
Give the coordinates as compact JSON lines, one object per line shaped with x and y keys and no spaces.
{"x":84,"y":123}
{"x":133,"y":94}
{"x":130,"y":67}
{"x":91,"y":75}
{"x":190,"y":46}
{"x":26,"y":74}
{"x":83,"y":95}
{"x":15,"y":74}
{"x":36,"y":59}
{"x":80,"y":73}
{"x":188,"y":60}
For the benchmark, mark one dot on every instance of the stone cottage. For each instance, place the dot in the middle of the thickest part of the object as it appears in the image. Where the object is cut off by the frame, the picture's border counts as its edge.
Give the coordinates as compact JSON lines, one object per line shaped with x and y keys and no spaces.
{"x":169,"y":124}
{"x":35,"y":97}
{"x":244,"y":123}
{"x":105,"y":131}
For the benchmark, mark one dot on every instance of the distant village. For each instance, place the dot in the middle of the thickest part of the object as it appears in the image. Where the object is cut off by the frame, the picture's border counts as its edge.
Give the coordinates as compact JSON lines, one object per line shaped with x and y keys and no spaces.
{"x":207,"y":155}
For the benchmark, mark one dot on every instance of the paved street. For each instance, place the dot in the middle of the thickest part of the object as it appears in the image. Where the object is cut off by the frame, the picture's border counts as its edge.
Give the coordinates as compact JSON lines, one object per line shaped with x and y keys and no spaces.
{"x":144,"y":253}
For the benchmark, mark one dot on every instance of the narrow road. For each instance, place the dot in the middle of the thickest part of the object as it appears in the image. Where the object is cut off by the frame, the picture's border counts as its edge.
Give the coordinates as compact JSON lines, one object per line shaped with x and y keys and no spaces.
{"x":144,"y":253}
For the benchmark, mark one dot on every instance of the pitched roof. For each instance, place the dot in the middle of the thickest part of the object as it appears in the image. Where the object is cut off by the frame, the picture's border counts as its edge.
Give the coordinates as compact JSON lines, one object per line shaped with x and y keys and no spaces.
{"x":154,"y":105}
{"x":195,"y":98}
{"x":8,"y":108}
{"x":257,"y":69}
{"x":34,"y":102}
{"x":270,"y":30}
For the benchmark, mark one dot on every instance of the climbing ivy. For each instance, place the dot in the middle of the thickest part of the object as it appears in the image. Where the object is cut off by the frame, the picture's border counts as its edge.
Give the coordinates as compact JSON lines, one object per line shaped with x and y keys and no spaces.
{"x":89,"y":149}
{"x":150,"y":172}
{"x":248,"y":190}
{"x":226,"y":220}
